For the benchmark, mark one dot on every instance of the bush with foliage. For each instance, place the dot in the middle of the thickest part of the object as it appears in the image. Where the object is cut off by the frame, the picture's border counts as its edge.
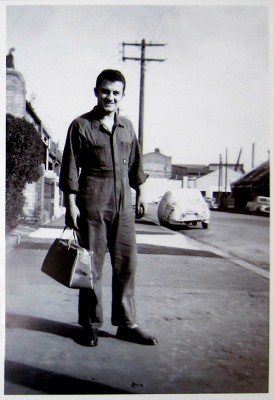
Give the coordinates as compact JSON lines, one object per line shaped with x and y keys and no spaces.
{"x":24,"y":158}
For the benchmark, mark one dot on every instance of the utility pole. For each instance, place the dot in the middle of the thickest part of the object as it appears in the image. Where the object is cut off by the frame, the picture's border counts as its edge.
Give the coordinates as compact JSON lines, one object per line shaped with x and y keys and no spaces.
{"x":142,"y":60}
{"x":220,"y":183}
{"x":253,"y":155}
{"x":226,"y":161}
{"x":236,"y":166}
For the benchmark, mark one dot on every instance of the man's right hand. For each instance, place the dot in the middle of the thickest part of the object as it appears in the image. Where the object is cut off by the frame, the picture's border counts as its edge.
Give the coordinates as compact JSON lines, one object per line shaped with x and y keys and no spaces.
{"x":72,"y":212}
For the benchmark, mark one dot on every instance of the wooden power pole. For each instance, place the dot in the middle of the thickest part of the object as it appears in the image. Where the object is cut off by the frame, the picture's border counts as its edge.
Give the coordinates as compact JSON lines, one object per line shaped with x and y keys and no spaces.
{"x":142,"y":60}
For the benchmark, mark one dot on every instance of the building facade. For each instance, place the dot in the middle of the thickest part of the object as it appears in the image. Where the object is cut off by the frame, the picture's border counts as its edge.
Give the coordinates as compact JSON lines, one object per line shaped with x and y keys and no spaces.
{"x":213,"y":180}
{"x":43,"y":199}
{"x":157,"y":165}
{"x":254,"y":183}
{"x":216,"y":181}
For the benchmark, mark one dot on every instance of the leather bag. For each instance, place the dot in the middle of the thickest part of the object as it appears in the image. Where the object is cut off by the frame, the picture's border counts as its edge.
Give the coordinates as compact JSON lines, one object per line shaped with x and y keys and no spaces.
{"x":69,"y":264}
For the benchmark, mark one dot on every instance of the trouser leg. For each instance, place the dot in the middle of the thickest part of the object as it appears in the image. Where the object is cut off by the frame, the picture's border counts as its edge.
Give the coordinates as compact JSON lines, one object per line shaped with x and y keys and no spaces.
{"x":123,"y":252}
{"x":90,"y":308}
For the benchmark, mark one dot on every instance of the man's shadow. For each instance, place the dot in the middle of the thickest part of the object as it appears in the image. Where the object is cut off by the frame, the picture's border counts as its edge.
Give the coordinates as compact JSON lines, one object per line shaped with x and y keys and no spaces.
{"x":49,"y":326}
{"x":45,"y":381}
{"x":20,"y":379}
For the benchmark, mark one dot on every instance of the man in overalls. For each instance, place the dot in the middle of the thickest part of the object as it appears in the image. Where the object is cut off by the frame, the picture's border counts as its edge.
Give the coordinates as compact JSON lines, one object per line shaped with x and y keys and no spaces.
{"x":101,"y":162}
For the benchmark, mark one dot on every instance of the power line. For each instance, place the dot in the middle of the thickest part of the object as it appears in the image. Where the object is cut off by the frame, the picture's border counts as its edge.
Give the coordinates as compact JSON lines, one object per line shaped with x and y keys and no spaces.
{"x":19,"y":16}
{"x":142,"y":60}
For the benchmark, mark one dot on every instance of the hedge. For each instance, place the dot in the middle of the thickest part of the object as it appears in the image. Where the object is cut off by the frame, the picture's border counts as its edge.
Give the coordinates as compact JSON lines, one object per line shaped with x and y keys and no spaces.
{"x":24,"y":158}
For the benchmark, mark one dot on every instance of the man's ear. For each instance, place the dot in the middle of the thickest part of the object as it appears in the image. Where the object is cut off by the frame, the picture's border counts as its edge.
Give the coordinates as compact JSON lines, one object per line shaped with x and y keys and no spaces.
{"x":96,"y":91}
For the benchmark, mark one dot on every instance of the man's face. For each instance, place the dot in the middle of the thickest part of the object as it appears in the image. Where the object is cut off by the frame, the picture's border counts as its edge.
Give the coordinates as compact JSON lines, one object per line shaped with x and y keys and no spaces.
{"x":109,"y":95}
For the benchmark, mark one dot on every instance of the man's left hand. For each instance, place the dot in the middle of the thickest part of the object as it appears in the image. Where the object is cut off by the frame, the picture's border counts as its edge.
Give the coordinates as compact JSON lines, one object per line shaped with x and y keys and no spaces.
{"x":141,"y":202}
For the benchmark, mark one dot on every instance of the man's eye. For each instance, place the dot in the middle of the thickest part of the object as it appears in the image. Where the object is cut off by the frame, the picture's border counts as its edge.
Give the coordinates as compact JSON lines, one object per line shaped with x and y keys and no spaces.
{"x":116,"y":93}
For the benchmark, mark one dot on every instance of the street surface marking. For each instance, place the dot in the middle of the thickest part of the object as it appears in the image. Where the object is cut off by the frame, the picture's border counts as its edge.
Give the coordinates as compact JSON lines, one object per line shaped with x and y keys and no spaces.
{"x":250,"y":267}
{"x":176,"y":240}
{"x":51,"y":233}
{"x":167,"y":241}
{"x":241,"y":263}
{"x":179,"y":241}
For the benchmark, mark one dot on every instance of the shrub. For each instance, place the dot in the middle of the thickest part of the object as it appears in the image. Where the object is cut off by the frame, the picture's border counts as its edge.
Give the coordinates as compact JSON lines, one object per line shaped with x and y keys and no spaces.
{"x":24,"y":156}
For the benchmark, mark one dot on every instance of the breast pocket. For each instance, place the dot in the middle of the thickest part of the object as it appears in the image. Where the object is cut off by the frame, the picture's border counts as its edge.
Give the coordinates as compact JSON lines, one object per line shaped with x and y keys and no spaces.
{"x":126,"y":149}
{"x":101,"y":156}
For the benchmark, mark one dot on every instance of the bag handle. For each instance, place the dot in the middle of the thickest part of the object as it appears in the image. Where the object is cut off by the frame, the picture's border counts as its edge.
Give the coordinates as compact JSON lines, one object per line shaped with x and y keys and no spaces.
{"x":74,"y":236}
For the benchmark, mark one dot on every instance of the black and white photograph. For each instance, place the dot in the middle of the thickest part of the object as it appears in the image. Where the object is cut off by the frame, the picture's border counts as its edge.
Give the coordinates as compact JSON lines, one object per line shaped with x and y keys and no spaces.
{"x":137,"y":143}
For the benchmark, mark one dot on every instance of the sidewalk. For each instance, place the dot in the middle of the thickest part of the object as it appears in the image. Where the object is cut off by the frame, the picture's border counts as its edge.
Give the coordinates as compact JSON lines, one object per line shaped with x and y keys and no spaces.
{"x":209,"y":315}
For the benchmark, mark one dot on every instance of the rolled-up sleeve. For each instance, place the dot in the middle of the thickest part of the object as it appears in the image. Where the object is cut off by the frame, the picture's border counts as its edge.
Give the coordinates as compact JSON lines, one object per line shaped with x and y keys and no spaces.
{"x":137,"y":176}
{"x":69,"y":172}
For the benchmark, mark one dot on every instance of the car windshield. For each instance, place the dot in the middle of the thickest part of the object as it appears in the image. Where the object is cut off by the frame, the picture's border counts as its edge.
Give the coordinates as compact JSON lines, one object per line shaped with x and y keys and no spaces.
{"x":264,"y":200}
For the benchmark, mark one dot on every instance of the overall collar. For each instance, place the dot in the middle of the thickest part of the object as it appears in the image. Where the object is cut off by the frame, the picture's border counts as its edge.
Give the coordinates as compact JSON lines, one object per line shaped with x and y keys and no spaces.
{"x":96,"y":118}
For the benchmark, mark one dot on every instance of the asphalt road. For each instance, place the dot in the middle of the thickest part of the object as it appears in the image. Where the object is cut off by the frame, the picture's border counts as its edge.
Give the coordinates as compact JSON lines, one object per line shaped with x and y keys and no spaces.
{"x":211,"y":319}
{"x":243,"y":236}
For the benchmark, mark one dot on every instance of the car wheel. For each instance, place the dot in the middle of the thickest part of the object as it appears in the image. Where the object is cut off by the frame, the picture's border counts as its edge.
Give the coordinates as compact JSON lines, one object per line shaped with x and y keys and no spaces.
{"x":164,"y":224}
{"x":204,"y":225}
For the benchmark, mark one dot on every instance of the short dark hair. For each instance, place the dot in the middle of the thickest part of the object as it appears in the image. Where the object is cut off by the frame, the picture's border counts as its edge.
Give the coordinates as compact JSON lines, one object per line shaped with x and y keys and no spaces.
{"x":111,"y":75}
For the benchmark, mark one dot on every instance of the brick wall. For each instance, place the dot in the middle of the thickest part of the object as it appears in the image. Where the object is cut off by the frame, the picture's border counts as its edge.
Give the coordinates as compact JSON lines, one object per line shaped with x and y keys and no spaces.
{"x":15,"y":93}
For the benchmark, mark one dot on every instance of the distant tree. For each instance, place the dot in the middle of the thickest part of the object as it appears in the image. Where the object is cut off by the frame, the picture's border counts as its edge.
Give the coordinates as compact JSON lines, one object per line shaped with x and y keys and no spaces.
{"x":24,"y":158}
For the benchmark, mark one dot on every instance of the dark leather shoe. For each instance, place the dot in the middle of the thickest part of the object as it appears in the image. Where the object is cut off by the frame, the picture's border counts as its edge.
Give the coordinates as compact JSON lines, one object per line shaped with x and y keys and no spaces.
{"x":91,"y":337}
{"x":135,"y":335}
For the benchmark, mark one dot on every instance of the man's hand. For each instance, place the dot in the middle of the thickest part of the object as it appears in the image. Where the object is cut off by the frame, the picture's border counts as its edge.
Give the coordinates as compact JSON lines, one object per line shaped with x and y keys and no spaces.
{"x":72,"y":211}
{"x":141,"y":202}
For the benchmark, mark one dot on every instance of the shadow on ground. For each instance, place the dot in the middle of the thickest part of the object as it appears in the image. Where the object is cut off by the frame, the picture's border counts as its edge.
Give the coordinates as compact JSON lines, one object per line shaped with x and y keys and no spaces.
{"x":51,"y":382}
{"x":47,"y":381}
{"x":48,"y":326}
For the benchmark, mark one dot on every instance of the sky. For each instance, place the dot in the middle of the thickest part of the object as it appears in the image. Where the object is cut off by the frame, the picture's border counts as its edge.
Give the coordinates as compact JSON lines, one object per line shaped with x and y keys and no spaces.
{"x":209,"y":96}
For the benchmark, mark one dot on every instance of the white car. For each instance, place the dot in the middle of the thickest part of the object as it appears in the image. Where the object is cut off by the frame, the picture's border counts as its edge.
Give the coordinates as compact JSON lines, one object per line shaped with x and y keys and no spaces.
{"x":183,"y":206}
{"x":260,"y":205}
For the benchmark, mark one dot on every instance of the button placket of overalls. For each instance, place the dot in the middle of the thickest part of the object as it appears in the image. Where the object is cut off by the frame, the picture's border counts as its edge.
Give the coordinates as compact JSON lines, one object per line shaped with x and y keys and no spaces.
{"x":116,"y":166}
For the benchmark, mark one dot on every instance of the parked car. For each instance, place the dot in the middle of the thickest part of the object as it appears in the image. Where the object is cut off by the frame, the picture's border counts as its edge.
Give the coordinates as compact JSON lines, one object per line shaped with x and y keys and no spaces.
{"x":183,"y":206}
{"x":157,"y":200}
{"x":260,"y":205}
{"x":212,"y":203}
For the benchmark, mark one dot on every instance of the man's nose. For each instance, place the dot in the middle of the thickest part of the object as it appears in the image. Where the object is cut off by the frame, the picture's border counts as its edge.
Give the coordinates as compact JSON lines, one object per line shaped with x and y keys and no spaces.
{"x":110,"y":96}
